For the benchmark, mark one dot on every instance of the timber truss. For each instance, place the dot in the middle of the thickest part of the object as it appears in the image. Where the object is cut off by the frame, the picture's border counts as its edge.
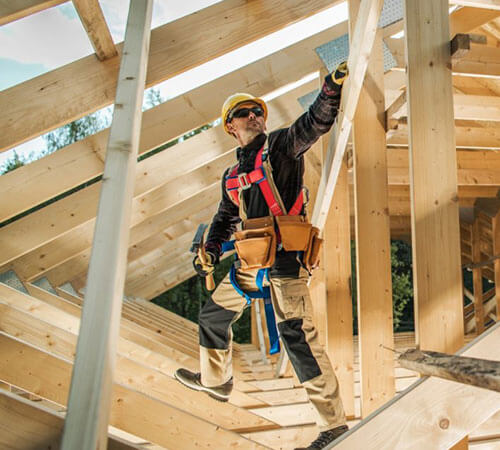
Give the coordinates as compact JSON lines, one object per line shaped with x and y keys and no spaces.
{"x":415,"y":154}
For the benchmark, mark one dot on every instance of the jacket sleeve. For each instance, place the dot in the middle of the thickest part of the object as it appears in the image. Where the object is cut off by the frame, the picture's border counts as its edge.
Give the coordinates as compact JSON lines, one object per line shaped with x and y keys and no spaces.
{"x":223,"y":223}
{"x":318,"y":120}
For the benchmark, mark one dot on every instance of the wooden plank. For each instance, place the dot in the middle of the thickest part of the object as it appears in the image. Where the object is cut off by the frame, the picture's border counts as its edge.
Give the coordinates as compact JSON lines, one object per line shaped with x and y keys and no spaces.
{"x":467,"y":19}
{"x":132,"y":373}
{"x":93,"y":21}
{"x":84,"y":160}
{"x":487,"y":4}
{"x":451,"y":410}
{"x":435,"y":225}
{"x":337,"y":247}
{"x":90,"y":396}
{"x":160,"y":181}
{"x":25,"y":424}
{"x":363,"y":38}
{"x":10,"y":11}
{"x":477,"y":276}
{"x":148,"y":348}
{"x":373,"y":254}
{"x":131,"y":411}
{"x":471,"y":371}
{"x":71,"y":252}
{"x":496,"y":251}
{"x":233,"y":23}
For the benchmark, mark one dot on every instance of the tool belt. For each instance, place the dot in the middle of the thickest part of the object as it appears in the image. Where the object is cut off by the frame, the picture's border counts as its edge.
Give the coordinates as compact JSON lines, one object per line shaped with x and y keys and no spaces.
{"x":257,"y":242}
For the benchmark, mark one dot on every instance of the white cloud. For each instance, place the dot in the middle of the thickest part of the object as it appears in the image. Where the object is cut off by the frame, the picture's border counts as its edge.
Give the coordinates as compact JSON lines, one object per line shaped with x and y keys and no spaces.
{"x":49,"y":38}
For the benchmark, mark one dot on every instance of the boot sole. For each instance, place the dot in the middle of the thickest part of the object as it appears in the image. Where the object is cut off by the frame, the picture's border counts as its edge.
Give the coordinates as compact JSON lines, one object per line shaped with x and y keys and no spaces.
{"x":197,"y":387}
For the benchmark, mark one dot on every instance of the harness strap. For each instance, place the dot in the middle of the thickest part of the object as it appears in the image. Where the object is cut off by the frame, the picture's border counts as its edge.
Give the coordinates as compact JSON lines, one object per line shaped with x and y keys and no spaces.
{"x":237,"y":183}
{"x":265,"y":294}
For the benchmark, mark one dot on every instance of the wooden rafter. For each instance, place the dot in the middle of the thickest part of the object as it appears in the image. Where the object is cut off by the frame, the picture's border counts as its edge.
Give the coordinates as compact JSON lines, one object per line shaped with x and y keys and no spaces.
{"x":84,"y":160}
{"x":26,"y":424}
{"x":159,"y":185}
{"x":46,"y":94}
{"x":10,"y":10}
{"x":485,"y":4}
{"x":451,"y":410}
{"x":93,"y":21}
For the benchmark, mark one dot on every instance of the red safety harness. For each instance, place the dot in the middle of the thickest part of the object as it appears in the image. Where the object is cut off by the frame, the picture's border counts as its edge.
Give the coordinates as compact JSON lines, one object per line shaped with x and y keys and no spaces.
{"x":239,"y":182}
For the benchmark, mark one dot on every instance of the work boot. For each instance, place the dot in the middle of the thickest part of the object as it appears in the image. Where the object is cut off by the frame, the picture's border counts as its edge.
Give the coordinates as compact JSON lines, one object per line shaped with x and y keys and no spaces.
{"x":325,"y":438}
{"x":193,"y":380}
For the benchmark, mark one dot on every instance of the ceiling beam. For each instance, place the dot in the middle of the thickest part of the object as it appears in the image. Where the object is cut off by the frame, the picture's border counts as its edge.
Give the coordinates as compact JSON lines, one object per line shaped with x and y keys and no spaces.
{"x":74,"y":90}
{"x":15,"y":10}
{"x":77,"y":163}
{"x":162,"y":181}
{"x":486,"y":4}
{"x":93,"y":21}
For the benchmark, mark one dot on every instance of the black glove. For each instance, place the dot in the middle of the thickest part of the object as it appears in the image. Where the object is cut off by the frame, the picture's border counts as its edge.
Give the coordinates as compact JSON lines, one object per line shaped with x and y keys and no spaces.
{"x":340,"y":74}
{"x":206,"y":269}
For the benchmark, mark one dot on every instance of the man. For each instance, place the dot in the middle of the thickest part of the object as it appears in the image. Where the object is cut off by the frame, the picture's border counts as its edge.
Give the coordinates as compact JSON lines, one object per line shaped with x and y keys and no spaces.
{"x":244,"y":117}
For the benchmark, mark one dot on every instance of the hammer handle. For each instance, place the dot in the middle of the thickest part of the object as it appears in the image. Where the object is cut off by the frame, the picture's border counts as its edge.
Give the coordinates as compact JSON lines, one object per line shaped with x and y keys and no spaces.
{"x":209,"y":279}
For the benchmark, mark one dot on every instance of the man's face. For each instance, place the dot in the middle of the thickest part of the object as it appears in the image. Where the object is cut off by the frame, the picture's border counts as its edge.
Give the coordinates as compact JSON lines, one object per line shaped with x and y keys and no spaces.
{"x":246,"y":128}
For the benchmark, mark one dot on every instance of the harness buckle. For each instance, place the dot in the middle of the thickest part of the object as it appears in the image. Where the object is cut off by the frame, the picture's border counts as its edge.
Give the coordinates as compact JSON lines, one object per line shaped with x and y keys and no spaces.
{"x":242,"y":180}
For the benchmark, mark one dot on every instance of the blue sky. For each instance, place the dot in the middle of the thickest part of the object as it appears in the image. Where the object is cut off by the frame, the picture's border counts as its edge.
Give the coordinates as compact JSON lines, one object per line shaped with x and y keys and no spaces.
{"x":55,"y":37}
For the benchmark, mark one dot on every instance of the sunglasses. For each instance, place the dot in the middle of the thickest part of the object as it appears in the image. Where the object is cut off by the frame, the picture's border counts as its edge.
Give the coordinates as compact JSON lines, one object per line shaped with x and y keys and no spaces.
{"x":245,"y":112}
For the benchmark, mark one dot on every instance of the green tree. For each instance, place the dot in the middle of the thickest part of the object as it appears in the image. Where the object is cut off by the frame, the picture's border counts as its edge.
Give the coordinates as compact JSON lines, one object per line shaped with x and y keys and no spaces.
{"x":12,"y":163}
{"x":76,"y":131}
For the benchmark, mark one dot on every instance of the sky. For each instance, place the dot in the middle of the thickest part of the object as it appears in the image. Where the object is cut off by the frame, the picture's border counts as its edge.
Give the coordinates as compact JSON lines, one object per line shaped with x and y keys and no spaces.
{"x":52,"y":38}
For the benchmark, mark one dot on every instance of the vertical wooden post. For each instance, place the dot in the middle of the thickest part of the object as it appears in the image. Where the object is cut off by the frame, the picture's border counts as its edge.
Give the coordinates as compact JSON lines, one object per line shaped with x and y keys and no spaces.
{"x":496,"y":251}
{"x":337,"y":235}
{"x":477,"y":276}
{"x":433,"y":178}
{"x":373,"y":236}
{"x":90,"y":393}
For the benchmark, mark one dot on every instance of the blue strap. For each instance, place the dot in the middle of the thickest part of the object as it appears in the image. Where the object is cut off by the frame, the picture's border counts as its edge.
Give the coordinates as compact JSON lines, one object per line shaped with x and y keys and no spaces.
{"x":274,"y":340}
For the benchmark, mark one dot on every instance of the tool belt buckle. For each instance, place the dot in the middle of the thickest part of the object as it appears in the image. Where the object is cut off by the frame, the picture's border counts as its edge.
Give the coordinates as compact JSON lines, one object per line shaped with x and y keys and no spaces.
{"x":244,"y":184}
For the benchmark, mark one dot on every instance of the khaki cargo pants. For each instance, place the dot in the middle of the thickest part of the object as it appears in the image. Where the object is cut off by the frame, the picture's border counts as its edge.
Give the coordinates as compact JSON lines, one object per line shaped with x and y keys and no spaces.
{"x":292,"y":306}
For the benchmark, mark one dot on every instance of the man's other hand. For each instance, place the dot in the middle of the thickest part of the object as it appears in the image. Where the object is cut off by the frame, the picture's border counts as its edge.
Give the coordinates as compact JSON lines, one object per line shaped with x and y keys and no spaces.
{"x":340,"y":74}
{"x":206,"y":269}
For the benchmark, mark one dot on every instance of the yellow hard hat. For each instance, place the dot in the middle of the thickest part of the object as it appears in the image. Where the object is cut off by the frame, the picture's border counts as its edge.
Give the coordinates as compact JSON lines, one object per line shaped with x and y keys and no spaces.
{"x":234,"y":100}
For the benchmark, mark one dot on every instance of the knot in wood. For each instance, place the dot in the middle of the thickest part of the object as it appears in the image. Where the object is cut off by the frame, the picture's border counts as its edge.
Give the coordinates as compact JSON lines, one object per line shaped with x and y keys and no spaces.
{"x":444,"y":424}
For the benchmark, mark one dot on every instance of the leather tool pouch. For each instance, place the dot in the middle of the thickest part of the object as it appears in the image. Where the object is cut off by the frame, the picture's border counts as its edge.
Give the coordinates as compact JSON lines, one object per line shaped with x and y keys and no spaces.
{"x":256,"y":243}
{"x":312,"y":254}
{"x":295,"y":232}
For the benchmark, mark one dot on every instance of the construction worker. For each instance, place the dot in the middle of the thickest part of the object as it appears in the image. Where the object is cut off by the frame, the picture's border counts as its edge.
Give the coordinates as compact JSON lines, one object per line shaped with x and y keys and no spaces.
{"x":244,"y":197}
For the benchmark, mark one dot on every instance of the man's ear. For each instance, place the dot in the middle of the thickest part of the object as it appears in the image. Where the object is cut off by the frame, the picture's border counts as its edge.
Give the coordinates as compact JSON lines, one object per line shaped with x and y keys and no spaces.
{"x":230,"y":128}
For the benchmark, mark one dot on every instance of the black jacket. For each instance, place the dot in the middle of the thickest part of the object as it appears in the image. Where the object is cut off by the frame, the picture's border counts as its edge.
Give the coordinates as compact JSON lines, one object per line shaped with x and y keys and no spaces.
{"x":286,"y":149}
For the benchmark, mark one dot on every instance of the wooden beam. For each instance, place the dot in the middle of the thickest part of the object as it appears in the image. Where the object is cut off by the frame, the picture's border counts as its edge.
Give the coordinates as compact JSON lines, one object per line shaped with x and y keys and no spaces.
{"x":362,"y":43}
{"x":478,"y":372}
{"x":90,"y":396}
{"x":157,"y":183}
{"x":451,"y":410}
{"x":373,"y":254}
{"x":496,"y":250}
{"x":338,"y":285}
{"x":435,"y":224}
{"x":232,"y":24}
{"x":485,"y":4}
{"x":133,"y":372}
{"x":26,"y":424}
{"x":480,"y":61}
{"x":466,"y":19}
{"x":153,"y":425}
{"x":93,"y":21}
{"x":84,"y":160}
{"x":10,"y":11}
{"x":477,"y":277}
